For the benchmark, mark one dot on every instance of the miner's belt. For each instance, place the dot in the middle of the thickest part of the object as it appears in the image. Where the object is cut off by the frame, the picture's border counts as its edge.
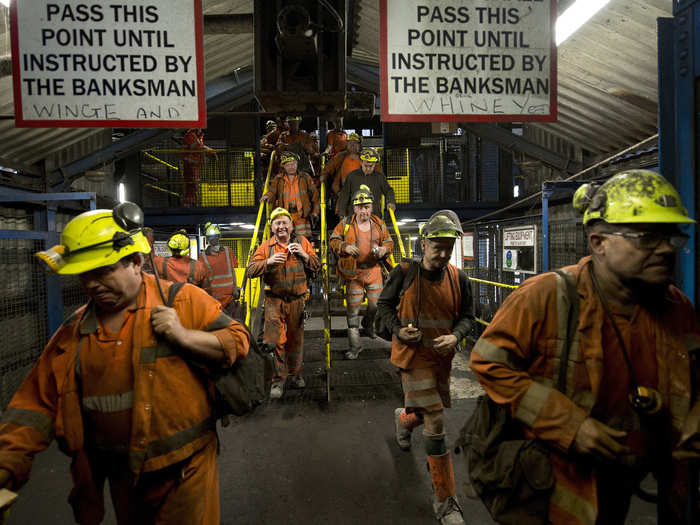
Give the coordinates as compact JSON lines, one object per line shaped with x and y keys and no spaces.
{"x":288,"y":298}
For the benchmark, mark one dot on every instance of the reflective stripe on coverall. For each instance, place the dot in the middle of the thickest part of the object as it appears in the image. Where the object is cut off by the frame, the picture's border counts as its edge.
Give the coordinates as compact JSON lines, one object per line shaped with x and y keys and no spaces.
{"x":168,"y":425}
{"x":181,"y":270}
{"x":222,"y":279}
{"x":516,"y":360}
{"x":308,"y":196}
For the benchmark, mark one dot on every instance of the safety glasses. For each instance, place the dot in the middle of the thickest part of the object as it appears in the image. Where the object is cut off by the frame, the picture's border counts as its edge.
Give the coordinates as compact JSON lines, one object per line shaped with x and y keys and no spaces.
{"x":652,"y":240}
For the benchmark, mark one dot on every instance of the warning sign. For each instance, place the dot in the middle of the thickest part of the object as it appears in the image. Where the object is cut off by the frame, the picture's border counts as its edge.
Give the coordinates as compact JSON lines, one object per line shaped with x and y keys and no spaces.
{"x":468,"y":60}
{"x":93,"y":64}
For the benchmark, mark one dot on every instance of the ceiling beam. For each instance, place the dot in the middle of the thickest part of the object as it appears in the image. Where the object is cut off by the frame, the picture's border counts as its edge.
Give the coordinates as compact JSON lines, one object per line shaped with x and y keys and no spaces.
{"x":517,"y":144}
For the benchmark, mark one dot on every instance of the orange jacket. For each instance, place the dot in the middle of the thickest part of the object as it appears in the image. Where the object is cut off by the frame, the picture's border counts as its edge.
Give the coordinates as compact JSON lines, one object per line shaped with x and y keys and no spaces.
{"x":192,"y":141}
{"x":171,"y":415}
{"x":346,"y":233}
{"x":516,"y":360}
{"x":284,"y":279}
{"x":182,"y":270}
{"x":338,"y":168}
{"x":220,"y":274}
{"x":308,"y":192}
{"x":337,"y":140}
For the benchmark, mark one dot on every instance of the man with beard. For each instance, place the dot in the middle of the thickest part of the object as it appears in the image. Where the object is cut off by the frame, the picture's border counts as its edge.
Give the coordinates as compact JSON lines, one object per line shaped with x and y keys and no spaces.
{"x":220,"y":262}
{"x":427,"y":306}
{"x":281,"y":261}
{"x":371,"y":176}
{"x":361,"y":244}
{"x":627,"y":395}
{"x":114,"y":386}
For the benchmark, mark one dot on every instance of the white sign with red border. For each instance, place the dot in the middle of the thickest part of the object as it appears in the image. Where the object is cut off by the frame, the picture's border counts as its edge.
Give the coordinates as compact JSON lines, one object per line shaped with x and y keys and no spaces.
{"x":108,"y":64}
{"x":468,"y":60}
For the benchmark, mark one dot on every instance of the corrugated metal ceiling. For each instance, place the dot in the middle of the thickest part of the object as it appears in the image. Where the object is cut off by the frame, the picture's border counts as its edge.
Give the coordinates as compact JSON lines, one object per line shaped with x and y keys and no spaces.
{"x":607,"y":76}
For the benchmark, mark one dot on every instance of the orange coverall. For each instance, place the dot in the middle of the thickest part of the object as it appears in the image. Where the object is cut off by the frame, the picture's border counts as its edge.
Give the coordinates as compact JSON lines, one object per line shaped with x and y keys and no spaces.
{"x":134,"y":413}
{"x":362,"y":273}
{"x":309,"y":144}
{"x":302,"y":192}
{"x":337,"y":170}
{"x":285,"y":287}
{"x":182,"y":270}
{"x":220,"y":274}
{"x":337,"y":140}
{"x":516,"y":360}
{"x":192,"y":163}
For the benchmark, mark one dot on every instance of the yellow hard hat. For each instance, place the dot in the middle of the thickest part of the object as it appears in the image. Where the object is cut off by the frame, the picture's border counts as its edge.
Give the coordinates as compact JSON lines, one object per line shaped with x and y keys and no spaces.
{"x":362,"y":196}
{"x":97,"y":238}
{"x":288,"y":156}
{"x":179,"y":244}
{"x":279,"y":211}
{"x":369,"y":155}
{"x":270,"y":123}
{"x":211,"y":229}
{"x":443,"y":223}
{"x":632,"y":196}
{"x":354,"y":136}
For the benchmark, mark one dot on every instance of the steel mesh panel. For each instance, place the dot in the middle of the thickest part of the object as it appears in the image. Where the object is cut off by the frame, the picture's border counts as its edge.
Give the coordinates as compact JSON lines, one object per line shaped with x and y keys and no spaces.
{"x":24,"y":319}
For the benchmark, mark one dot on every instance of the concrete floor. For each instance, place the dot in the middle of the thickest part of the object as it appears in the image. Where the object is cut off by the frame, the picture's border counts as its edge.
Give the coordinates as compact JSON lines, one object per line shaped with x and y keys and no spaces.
{"x":300,"y":460}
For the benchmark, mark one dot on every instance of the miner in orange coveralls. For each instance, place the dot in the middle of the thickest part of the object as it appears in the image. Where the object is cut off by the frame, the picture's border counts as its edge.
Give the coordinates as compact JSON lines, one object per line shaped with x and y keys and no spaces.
{"x":628,"y":402}
{"x":294,"y":191}
{"x":301,"y":143}
{"x":192,"y":160}
{"x":428,"y":315}
{"x":114,"y":387}
{"x":268,"y":143}
{"x":180,"y":267}
{"x":337,"y":169}
{"x":220,"y":262}
{"x":361,"y":244}
{"x":281,"y":261}
{"x":336,"y":139}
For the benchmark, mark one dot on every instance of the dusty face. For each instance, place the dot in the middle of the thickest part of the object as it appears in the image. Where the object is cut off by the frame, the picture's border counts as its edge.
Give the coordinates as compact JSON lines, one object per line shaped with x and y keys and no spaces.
{"x":354,"y":147}
{"x":290,"y":167}
{"x":363,"y":212}
{"x":367,"y":167}
{"x":282,"y":229}
{"x":437,"y":252}
{"x":636,"y":253}
{"x":113,"y":287}
{"x":213,"y":240}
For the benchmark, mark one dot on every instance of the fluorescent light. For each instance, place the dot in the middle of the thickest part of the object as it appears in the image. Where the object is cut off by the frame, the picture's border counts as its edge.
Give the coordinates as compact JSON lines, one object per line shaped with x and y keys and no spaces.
{"x":575,"y":16}
{"x":122,"y":192}
{"x":6,"y":3}
{"x":248,"y":226}
{"x":235,"y":223}
{"x":516,"y":191}
{"x":408,"y":220}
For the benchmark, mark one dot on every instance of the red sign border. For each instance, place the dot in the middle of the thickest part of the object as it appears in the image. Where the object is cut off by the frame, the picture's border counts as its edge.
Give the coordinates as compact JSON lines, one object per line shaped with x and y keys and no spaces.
{"x":20,"y":121}
{"x":384,"y":84}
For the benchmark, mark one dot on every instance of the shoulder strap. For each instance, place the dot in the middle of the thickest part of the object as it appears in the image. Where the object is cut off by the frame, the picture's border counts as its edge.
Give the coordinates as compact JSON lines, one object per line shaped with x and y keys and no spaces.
{"x":206,"y":261}
{"x":165,"y":268}
{"x":190,"y":277}
{"x":571,"y":327}
{"x":409,"y":274}
{"x":172,"y":292}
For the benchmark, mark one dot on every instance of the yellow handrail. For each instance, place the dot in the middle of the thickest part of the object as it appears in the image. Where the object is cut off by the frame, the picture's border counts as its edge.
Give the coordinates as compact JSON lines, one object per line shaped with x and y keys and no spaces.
{"x":254,"y":241}
{"x":161,"y":161}
{"x":502,"y":285}
{"x":398,"y":233}
{"x":325,"y":276}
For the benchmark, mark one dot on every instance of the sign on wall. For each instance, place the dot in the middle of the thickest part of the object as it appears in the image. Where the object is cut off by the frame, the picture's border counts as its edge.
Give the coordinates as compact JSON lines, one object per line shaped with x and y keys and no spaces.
{"x":468,"y":60}
{"x":103,"y":64}
{"x":520,"y":249}
{"x":468,"y":246}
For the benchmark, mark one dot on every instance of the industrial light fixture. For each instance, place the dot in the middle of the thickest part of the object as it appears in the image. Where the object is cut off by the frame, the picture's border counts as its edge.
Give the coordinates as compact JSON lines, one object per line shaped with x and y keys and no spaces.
{"x":408,"y":219}
{"x":248,"y":226}
{"x":122,"y":192}
{"x":575,"y":16}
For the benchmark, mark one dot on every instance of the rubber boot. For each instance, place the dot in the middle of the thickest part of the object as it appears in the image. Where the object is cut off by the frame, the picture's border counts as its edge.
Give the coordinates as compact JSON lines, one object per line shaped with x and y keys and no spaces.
{"x":368,"y":320}
{"x":445,"y":504}
{"x":354,"y":337}
{"x":404,"y":423}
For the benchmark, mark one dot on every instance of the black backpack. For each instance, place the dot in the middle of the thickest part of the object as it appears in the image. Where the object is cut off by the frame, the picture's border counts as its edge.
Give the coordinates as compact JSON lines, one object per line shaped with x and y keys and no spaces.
{"x":244,"y":386}
{"x":512,"y":475}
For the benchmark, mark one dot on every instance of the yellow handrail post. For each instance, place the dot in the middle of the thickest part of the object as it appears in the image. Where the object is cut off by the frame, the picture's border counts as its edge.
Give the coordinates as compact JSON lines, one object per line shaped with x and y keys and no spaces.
{"x":398,"y":233}
{"x":254,"y":239}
